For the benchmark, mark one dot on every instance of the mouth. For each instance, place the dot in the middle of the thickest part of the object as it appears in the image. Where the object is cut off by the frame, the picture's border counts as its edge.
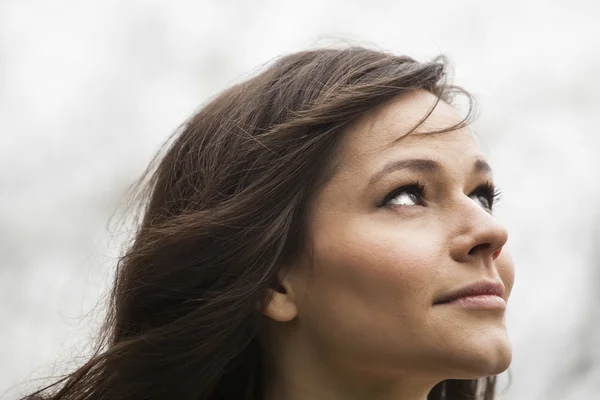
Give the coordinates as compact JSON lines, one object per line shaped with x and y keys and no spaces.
{"x":481,"y":294}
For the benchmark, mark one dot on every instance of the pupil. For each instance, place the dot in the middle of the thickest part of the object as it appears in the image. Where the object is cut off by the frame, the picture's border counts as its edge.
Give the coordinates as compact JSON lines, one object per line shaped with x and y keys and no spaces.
{"x":484,"y":201}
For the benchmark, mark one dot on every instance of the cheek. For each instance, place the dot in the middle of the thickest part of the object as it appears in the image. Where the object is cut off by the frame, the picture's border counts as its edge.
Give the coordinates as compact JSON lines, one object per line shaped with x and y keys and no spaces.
{"x":373,"y":281}
{"x":377,"y":261}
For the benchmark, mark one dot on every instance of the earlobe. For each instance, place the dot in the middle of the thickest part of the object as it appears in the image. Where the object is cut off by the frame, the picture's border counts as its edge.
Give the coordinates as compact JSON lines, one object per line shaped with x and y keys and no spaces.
{"x":281,"y":306}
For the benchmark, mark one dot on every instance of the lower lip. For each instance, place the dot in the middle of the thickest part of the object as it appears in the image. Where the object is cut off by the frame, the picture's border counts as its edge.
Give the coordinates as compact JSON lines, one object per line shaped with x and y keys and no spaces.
{"x":483,"y":301}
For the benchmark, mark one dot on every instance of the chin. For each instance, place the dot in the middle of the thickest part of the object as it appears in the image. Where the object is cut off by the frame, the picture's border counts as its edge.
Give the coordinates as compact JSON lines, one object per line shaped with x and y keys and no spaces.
{"x":485,"y":356}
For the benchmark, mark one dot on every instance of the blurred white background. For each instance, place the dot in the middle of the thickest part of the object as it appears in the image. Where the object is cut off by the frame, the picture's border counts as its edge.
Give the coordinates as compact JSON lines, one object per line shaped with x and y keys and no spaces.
{"x":90,"y":90}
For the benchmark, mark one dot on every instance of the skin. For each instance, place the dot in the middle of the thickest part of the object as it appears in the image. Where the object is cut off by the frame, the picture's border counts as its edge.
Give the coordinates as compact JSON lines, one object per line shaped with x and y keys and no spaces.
{"x":355,"y":317}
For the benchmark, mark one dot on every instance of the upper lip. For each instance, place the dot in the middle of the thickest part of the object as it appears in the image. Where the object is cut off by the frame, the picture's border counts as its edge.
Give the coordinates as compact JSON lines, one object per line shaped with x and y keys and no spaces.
{"x":476,"y":289}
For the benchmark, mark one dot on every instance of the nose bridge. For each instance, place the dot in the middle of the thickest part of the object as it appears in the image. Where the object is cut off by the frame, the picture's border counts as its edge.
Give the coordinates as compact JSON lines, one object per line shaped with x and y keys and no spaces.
{"x":478,"y":233}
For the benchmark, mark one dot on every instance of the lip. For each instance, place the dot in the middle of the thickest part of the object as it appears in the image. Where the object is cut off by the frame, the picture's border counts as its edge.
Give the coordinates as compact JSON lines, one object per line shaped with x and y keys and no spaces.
{"x":481,"y":294}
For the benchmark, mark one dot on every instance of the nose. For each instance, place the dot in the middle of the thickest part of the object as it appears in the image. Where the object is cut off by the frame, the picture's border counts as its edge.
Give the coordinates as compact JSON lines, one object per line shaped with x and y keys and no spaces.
{"x":480,"y":236}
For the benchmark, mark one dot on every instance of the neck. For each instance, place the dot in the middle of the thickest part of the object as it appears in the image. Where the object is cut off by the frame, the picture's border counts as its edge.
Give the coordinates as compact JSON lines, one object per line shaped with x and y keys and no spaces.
{"x":301,"y":372}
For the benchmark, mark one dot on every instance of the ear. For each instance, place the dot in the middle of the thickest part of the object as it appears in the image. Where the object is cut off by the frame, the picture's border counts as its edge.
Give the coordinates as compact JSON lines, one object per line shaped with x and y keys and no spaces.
{"x":282,"y":305}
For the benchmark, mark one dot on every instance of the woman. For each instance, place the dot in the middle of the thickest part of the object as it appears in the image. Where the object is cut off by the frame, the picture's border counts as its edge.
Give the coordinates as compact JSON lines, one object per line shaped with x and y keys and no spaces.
{"x":323,"y":231}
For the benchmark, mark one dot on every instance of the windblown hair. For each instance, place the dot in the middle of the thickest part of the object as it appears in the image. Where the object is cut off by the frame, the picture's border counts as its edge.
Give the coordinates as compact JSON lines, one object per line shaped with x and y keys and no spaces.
{"x":223,"y":206}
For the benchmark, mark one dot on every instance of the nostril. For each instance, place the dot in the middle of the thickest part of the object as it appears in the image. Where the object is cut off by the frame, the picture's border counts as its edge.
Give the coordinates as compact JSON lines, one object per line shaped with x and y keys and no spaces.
{"x":497,"y":253}
{"x":479,"y":247}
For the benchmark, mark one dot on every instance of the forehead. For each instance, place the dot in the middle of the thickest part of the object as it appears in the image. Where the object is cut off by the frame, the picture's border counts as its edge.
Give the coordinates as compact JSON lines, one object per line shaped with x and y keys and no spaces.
{"x":373,"y":135}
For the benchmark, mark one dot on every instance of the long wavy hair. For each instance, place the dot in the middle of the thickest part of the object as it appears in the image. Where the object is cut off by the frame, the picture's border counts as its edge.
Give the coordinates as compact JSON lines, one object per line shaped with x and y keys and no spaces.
{"x":222,"y":206}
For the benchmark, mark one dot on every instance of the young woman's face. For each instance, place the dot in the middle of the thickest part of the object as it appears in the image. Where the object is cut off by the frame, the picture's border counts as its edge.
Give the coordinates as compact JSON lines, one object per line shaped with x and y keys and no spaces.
{"x":383,"y":256}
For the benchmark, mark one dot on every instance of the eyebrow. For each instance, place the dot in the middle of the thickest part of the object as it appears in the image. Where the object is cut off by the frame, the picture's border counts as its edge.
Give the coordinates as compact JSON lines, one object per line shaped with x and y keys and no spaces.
{"x":423,"y":165}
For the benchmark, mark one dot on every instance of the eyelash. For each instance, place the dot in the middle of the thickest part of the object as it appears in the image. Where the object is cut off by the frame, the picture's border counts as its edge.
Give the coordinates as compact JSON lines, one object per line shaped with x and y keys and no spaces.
{"x":487,"y":189}
{"x":491,"y":193}
{"x":417,"y":188}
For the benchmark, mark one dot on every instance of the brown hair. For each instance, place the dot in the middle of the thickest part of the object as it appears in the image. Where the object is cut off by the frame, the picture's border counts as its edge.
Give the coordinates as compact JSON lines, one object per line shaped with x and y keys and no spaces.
{"x":223,"y":205}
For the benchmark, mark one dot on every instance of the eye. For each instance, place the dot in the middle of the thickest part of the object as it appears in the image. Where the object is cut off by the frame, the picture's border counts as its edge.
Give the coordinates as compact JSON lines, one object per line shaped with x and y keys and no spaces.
{"x":486,"y":195}
{"x":409,"y":195}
